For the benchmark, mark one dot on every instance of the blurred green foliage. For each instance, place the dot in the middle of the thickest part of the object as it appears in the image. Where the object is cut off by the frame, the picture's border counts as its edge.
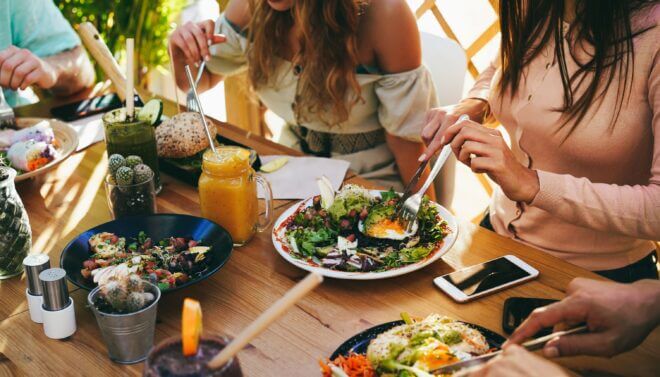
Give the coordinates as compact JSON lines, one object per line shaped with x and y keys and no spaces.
{"x":148,"y":21}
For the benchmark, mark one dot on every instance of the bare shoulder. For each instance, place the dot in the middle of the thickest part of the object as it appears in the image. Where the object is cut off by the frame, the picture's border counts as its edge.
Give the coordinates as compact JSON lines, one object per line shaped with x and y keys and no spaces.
{"x":238,"y":13}
{"x":392,"y":30}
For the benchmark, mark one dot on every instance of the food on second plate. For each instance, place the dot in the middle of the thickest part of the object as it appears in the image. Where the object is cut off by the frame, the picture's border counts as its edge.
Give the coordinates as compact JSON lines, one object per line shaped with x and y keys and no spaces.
{"x":353,"y":365}
{"x":168,"y":263}
{"x":183,"y":136}
{"x":356,"y":231}
{"x":414,"y":349}
{"x":428,"y":344}
{"x":30,"y":148}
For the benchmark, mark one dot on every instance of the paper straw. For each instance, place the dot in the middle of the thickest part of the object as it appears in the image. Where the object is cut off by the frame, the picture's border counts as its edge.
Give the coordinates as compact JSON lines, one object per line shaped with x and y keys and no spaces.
{"x":130,"y":98}
{"x":266,"y":318}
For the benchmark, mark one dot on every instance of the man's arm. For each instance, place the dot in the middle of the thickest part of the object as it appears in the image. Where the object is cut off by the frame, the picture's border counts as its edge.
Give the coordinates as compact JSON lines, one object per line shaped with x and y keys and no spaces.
{"x":74,"y":71}
{"x":64,"y":73}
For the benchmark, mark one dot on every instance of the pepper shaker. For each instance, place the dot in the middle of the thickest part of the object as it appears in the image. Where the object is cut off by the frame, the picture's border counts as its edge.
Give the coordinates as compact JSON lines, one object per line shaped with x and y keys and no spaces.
{"x":58,"y":312}
{"x":33,"y":265}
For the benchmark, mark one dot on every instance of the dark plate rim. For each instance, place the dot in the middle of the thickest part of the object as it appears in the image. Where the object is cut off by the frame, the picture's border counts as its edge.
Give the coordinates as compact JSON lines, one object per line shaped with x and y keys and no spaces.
{"x":494,"y":339}
{"x":210,"y":273}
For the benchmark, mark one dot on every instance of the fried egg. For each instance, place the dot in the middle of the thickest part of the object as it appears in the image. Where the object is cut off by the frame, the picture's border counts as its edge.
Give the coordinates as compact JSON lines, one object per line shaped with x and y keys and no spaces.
{"x":388,"y":229}
{"x":435,"y":355}
{"x":428,"y":344}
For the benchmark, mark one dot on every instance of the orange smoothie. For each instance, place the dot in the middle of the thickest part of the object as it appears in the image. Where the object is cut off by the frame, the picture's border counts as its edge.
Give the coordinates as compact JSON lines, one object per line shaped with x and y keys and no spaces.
{"x":228,"y":192}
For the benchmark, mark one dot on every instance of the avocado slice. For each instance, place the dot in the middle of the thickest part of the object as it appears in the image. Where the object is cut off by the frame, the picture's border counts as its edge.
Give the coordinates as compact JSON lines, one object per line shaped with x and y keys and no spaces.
{"x":377,"y":214}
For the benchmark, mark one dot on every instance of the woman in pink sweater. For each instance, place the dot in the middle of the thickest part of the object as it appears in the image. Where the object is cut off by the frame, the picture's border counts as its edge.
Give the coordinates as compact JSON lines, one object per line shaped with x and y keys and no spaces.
{"x":577,"y":87}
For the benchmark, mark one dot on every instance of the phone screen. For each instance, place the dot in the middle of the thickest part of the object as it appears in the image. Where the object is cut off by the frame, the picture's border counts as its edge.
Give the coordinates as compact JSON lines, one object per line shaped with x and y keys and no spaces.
{"x":486,"y":276}
{"x":87,"y":107}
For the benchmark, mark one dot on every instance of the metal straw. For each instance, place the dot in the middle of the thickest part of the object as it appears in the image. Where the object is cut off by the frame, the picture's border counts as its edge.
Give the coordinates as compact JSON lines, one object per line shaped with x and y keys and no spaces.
{"x":191,"y":82}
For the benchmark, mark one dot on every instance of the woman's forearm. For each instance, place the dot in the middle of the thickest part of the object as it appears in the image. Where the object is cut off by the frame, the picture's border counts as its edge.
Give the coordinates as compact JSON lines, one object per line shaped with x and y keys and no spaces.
{"x":632,"y":210}
{"x":405,"y":154}
{"x":206,"y":82}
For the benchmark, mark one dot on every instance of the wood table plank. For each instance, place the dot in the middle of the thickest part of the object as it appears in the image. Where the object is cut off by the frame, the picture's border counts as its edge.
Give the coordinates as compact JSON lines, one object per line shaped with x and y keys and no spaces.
{"x":71,"y":199}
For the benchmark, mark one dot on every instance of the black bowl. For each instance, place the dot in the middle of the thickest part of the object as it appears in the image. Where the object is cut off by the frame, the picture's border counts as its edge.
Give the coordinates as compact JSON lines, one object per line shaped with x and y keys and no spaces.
{"x":359,"y":343}
{"x":157,"y":227}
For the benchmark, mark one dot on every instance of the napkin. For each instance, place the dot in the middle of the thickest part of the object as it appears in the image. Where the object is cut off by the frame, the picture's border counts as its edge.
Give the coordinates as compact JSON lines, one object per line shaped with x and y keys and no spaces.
{"x":89,"y":130}
{"x":297,"y":179}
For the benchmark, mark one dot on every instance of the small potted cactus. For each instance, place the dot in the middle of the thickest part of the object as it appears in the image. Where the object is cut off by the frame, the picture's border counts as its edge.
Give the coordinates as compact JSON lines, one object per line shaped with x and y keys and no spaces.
{"x":129,"y":186}
{"x":125,"y":308}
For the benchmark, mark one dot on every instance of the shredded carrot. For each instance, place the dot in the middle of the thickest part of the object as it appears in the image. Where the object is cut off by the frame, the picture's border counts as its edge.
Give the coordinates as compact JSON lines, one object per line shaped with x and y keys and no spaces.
{"x":354,"y":365}
{"x":37,"y":163}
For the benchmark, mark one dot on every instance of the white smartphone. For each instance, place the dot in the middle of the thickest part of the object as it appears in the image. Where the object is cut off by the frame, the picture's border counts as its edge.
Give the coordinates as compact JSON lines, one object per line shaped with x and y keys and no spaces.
{"x":485,"y":278}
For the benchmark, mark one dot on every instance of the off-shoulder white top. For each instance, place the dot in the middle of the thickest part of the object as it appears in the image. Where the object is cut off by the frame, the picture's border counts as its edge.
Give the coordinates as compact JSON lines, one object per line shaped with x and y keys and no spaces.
{"x":395,"y":102}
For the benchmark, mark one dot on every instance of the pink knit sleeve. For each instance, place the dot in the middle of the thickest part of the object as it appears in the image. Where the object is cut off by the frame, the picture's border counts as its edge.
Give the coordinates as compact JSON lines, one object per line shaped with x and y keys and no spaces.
{"x":629,"y":210}
{"x":481,"y":88}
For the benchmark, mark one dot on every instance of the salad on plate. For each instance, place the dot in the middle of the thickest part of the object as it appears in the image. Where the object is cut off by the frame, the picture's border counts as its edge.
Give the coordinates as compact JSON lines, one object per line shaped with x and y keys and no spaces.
{"x":28,"y":149}
{"x":356,"y":230}
{"x":413,"y":349}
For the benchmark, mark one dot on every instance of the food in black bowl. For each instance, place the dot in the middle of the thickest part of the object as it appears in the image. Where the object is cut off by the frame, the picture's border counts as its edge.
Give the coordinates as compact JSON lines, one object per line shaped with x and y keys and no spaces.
{"x":171,"y":250}
{"x":167,"y":263}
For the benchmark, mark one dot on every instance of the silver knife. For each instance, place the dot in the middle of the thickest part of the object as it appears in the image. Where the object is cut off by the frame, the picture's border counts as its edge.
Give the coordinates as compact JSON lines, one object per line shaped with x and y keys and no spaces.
{"x":531,"y":345}
{"x":413,"y":182}
{"x":422,"y":166}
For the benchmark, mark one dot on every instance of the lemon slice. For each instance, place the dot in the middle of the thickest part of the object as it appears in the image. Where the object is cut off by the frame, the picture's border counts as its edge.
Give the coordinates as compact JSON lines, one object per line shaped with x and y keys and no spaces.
{"x":327,"y":192}
{"x":191,"y":326}
{"x":274,"y":165}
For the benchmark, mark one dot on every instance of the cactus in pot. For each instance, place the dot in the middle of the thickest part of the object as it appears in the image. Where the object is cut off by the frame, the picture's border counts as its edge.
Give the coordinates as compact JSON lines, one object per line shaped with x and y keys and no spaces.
{"x":125,"y":309}
{"x":123,"y":293}
{"x":130,"y":186}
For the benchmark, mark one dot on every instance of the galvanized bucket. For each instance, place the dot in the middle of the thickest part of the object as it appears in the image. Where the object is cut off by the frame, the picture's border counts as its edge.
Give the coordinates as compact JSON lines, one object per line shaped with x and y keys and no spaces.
{"x":129,"y":337}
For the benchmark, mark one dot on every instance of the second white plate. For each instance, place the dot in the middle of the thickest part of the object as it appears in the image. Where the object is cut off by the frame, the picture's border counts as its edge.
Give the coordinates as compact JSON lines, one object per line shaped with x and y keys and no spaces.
{"x":282,"y":247}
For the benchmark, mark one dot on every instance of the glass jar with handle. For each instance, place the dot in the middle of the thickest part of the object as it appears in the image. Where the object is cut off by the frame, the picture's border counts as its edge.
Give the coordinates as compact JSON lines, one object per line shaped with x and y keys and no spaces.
{"x":228,"y":193}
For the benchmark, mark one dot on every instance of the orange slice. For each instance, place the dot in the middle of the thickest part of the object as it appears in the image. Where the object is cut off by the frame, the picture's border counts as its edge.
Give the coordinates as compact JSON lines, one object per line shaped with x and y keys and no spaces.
{"x":191,"y":326}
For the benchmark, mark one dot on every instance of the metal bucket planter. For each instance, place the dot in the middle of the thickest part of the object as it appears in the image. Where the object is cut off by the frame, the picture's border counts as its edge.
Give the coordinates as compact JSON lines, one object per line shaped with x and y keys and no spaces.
{"x":129,"y":337}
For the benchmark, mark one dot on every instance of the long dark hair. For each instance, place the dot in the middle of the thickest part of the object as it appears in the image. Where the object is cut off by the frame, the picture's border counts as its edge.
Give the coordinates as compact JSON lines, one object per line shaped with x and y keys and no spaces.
{"x":528,"y":25}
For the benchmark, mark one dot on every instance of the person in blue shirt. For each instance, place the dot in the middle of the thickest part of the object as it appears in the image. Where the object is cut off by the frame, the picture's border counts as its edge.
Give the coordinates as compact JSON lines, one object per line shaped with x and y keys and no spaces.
{"x":38,"y":47}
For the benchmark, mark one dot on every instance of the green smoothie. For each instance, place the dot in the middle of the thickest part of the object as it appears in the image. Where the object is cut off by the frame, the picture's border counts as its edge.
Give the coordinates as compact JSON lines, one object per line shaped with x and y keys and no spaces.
{"x":131,"y":137}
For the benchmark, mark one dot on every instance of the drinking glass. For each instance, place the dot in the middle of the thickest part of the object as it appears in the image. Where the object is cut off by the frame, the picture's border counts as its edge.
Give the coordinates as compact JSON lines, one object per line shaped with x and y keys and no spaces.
{"x":131,"y":200}
{"x":167,"y":359}
{"x":131,"y":137}
{"x":228,"y":193}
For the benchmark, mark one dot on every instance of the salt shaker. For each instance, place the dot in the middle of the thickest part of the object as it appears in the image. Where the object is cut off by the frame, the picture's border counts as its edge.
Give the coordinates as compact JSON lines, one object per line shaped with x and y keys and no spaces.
{"x":59,"y":317}
{"x":33,"y":264}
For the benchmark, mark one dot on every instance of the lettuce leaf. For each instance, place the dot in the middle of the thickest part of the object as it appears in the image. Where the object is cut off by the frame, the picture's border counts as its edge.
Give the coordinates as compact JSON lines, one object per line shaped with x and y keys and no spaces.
{"x":349,"y":198}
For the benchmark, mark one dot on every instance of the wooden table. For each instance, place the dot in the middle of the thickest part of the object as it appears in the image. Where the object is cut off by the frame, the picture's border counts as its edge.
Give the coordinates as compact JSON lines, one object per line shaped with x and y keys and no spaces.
{"x":71,"y":199}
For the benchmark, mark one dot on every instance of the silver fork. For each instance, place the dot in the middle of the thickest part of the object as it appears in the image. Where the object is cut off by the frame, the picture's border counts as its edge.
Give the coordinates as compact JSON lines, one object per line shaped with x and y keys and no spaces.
{"x":7,"y":118}
{"x":407,"y":214}
{"x":191,"y":103}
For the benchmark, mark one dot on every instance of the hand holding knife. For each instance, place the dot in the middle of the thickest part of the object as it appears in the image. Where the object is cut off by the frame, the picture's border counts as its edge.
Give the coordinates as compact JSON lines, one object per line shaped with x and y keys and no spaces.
{"x":531,"y":345}
{"x":444,"y":155}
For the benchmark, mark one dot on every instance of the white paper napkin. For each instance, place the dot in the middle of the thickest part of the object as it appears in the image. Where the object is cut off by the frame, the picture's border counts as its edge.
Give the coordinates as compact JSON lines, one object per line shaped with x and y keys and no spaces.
{"x":297,"y":179}
{"x":89,"y":130}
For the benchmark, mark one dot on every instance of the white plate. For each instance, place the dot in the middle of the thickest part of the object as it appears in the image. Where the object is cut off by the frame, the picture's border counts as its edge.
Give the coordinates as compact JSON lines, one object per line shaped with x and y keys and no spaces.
{"x":64,"y":134}
{"x":281,"y":245}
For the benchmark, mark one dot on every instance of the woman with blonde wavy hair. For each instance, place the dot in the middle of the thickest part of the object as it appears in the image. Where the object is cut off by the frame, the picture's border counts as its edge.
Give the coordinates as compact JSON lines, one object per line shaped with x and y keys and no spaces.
{"x":348,"y":82}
